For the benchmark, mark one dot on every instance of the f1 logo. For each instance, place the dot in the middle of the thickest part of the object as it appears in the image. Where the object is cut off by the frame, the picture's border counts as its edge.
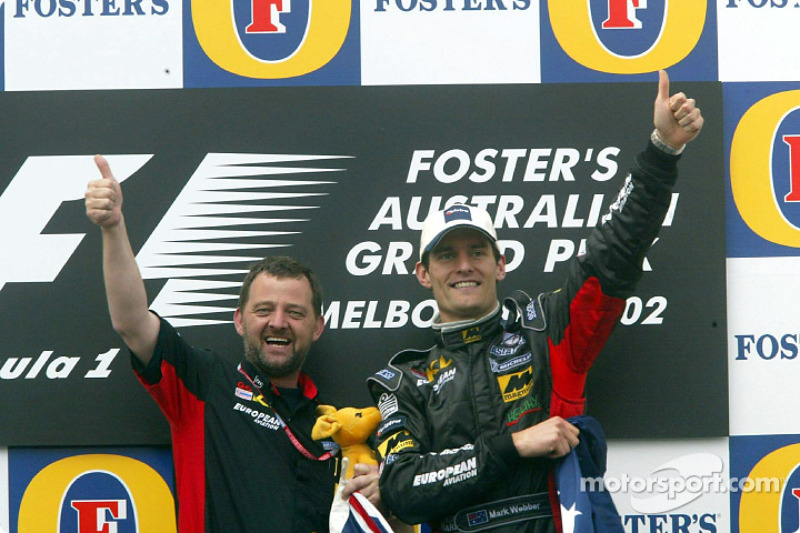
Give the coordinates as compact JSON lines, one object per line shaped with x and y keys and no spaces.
{"x":622,"y":14}
{"x":265,"y":16}
{"x":29,"y":254}
{"x":32,"y":254}
{"x":93,"y":515}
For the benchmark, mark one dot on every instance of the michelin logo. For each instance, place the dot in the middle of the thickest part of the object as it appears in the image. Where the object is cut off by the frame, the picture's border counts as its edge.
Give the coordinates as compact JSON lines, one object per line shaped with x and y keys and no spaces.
{"x":200,"y":238}
{"x":513,"y":363}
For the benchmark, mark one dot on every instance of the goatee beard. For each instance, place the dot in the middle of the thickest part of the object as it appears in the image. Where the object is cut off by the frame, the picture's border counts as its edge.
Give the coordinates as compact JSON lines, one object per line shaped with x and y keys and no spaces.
{"x":270,"y":370}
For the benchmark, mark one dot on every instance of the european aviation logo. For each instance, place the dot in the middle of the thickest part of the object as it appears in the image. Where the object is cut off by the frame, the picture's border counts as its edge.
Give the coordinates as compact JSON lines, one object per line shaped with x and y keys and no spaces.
{"x":209,"y":233}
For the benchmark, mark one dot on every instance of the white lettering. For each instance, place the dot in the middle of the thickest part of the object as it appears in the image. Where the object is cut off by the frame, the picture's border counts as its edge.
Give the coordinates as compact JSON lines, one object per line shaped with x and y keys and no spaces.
{"x":455,"y":164}
{"x":104,"y":361}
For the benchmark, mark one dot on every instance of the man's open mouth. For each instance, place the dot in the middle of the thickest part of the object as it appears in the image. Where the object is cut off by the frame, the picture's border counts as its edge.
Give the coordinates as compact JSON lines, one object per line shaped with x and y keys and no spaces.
{"x":277,"y":340}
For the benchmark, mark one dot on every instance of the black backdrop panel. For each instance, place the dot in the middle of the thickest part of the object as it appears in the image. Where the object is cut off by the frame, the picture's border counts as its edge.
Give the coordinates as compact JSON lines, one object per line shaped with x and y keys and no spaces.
{"x":540,"y":157}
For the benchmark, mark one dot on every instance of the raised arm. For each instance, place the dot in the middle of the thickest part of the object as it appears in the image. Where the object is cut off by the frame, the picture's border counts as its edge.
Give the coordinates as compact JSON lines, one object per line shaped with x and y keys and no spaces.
{"x":127,"y":299}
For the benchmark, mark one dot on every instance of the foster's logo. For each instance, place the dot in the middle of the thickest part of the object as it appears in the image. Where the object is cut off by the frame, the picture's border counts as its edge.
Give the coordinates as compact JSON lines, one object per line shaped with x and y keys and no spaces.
{"x":271,"y":39}
{"x":624,"y":36}
{"x":97,"y":493}
{"x":765,"y":170}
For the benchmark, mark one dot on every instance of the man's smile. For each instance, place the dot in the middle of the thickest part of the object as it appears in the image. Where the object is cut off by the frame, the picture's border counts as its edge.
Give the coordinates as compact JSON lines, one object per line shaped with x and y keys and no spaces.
{"x":464,"y":284}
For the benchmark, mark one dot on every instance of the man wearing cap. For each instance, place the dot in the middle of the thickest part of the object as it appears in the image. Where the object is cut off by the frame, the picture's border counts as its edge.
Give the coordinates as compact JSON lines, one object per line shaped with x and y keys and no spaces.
{"x":471,"y":425}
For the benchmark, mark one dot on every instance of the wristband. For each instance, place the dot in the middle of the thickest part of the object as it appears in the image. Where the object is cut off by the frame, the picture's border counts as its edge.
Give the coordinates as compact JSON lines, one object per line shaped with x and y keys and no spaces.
{"x":664,"y":147}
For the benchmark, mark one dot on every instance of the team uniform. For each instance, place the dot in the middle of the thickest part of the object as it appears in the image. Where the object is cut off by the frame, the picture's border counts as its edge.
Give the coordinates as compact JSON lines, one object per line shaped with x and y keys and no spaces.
{"x":237,"y":467}
{"x":446,"y":449}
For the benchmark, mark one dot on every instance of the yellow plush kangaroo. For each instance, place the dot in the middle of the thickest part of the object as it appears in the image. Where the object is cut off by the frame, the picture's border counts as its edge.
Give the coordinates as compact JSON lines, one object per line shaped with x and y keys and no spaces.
{"x":349,"y":427}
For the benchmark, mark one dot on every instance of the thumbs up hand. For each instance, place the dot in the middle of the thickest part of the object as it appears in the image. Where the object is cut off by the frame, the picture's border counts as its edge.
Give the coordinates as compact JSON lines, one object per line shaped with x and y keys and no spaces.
{"x":104,"y":197}
{"x":677,"y":118}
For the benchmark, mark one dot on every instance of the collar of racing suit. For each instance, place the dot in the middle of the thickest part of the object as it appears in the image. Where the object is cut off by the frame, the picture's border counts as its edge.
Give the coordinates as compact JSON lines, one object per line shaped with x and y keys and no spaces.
{"x":456,"y":334}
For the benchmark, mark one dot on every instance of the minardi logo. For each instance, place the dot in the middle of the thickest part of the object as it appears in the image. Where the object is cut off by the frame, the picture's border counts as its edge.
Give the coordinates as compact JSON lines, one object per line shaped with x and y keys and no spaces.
{"x":233,"y":209}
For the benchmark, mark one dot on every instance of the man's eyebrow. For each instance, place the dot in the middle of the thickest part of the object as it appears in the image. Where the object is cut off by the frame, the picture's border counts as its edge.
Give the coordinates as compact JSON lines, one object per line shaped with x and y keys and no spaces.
{"x":443,"y":249}
{"x":289,"y":306}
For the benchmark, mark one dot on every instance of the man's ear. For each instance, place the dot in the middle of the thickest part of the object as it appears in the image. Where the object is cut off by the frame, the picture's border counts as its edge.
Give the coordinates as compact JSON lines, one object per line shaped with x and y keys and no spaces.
{"x":501,"y":268}
{"x":237,"y":322}
{"x":422,"y":275}
{"x":319,"y":327}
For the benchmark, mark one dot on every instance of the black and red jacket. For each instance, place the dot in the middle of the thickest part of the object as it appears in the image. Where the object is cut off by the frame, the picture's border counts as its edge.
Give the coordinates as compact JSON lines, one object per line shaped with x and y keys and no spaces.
{"x":235,"y":467}
{"x":449,"y":411}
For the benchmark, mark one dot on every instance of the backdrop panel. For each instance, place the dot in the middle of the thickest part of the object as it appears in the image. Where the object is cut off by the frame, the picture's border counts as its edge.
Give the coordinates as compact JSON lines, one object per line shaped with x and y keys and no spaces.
{"x":340,"y":178}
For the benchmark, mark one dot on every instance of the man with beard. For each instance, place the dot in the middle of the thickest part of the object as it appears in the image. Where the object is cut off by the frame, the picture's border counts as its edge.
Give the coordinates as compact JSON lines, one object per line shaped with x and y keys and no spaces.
{"x":241,"y":433}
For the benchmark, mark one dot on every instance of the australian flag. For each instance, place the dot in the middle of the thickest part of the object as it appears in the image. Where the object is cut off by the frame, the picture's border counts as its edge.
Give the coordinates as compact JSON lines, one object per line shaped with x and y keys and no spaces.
{"x":361,"y":517}
{"x":356,"y":514}
{"x":586,"y":509}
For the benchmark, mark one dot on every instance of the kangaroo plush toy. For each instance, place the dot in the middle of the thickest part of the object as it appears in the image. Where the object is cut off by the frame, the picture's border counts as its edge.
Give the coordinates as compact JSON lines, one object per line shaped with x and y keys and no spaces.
{"x":349,"y":427}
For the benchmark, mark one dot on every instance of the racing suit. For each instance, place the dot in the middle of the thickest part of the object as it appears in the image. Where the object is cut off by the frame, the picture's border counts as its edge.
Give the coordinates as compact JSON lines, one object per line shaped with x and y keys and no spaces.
{"x":445,"y":445}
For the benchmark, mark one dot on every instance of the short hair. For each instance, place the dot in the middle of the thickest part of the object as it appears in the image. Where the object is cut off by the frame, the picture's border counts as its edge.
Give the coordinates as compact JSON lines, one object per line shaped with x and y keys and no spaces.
{"x":281,"y":267}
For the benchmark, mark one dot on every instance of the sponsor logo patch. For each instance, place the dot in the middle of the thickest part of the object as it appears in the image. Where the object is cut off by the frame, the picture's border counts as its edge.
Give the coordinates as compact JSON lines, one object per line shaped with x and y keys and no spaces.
{"x":390,"y":425}
{"x":460,"y":212}
{"x":262,"y":419}
{"x":530,"y":311}
{"x":514,"y":414}
{"x":517,"y":385}
{"x":471,"y":335}
{"x":499,"y":368}
{"x":444,"y":377}
{"x":397,"y":442}
{"x":508,"y":345}
{"x":386,"y":374}
{"x":436,"y":366}
{"x":244,"y":394}
{"x":450,"y":475}
{"x":387,"y":405}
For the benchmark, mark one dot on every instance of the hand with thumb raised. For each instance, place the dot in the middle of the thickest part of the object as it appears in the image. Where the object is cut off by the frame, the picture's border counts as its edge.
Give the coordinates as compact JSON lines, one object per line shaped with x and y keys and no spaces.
{"x":104,"y":197}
